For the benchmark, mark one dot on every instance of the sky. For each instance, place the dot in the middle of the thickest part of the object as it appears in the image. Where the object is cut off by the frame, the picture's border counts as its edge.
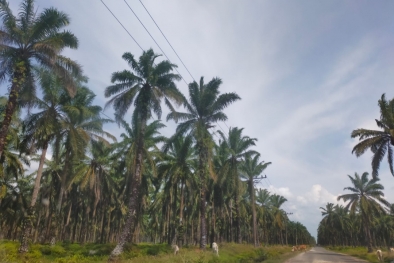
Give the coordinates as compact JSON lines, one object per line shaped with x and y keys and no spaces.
{"x":308,"y":73}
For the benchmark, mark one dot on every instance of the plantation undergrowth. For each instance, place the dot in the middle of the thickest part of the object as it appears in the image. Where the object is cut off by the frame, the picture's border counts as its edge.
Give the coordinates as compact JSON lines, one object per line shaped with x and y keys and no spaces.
{"x":142,"y":253}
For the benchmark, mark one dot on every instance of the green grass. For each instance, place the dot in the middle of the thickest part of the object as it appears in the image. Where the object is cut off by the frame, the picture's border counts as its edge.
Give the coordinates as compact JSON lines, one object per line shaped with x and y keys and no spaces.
{"x":361,"y":252}
{"x":142,"y":253}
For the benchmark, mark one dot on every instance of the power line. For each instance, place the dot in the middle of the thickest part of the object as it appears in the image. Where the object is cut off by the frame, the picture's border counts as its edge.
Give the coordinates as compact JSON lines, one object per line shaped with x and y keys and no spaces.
{"x":121,"y":25}
{"x":167,"y":40}
{"x":284,"y":204}
{"x":154,"y":39}
{"x":220,"y":127}
{"x":154,"y":21}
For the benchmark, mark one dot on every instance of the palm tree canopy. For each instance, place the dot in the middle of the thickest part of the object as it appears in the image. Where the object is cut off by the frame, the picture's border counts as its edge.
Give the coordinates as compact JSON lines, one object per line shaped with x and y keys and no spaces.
{"x":33,"y":39}
{"x":144,"y":87}
{"x":204,"y":107}
{"x":381,"y":141}
{"x":367,"y":195}
{"x":252,"y":168}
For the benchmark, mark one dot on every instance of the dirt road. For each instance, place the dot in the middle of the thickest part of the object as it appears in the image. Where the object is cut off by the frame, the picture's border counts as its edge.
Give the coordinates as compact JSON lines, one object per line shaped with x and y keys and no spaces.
{"x":321,"y":255}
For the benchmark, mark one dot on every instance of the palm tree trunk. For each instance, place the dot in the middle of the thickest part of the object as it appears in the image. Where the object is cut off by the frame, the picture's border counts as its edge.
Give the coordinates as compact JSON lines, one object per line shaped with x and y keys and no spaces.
{"x":231,"y":221}
{"x":28,"y":220}
{"x":181,"y":205}
{"x":252,"y":202}
{"x":131,"y":219}
{"x":238,"y":221}
{"x":367,"y":233}
{"x":17,"y":81}
{"x":202,"y":164}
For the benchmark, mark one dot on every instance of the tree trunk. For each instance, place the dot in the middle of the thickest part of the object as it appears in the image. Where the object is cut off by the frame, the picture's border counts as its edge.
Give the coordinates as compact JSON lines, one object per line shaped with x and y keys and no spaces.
{"x":27,"y":224}
{"x":131,"y":219}
{"x":238,"y":221}
{"x":253,"y":205}
{"x":368,"y":235}
{"x":18,"y":79}
{"x":202,"y":164}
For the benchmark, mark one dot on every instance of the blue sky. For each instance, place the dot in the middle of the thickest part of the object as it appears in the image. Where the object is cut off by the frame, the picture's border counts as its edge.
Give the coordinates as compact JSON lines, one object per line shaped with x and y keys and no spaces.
{"x":308,"y":73}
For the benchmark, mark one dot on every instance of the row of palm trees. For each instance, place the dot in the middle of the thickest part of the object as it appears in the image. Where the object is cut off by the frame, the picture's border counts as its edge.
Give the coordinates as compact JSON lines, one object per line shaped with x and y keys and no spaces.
{"x":186,"y":188}
{"x":367,"y":219}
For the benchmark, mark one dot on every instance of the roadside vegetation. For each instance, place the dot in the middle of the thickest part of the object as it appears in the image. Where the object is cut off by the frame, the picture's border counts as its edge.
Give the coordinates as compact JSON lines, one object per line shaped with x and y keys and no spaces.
{"x":143,"y":252}
{"x":361,"y":252}
{"x":194,"y":187}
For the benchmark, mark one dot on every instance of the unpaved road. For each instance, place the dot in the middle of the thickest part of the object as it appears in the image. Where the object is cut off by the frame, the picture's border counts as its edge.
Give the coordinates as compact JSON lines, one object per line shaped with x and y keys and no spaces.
{"x":321,"y":255}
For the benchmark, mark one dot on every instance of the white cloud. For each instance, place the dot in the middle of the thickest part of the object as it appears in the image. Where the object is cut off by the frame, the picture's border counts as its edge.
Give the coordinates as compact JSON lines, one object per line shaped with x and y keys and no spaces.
{"x":284,"y":191}
{"x":319,"y":195}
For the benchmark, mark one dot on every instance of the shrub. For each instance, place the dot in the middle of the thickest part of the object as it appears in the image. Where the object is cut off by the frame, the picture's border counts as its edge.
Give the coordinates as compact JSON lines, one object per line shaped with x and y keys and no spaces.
{"x":153,"y":251}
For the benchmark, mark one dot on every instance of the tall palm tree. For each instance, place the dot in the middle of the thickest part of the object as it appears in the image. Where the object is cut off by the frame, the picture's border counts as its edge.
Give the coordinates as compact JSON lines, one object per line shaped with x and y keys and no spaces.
{"x":366,"y":197}
{"x":93,"y":172}
{"x":379,"y":141}
{"x":263,"y":199}
{"x":80,"y":123}
{"x":39,"y":129}
{"x":278,"y":214}
{"x":145,"y":87}
{"x":238,"y":146}
{"x":251,"y":171}
{"x":204,"y":108}
{"x":31,"y":39}
{"x":176,"y":167}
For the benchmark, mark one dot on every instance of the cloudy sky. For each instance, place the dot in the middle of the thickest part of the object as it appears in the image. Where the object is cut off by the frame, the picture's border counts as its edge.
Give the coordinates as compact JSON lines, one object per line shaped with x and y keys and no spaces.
{"x":308,"y":73}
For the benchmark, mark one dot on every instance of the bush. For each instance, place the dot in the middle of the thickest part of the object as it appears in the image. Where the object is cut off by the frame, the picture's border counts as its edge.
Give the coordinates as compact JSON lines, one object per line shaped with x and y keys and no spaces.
{"x":56,"y":250}
{"x":261,"y":255}
{"x":153,"y":251}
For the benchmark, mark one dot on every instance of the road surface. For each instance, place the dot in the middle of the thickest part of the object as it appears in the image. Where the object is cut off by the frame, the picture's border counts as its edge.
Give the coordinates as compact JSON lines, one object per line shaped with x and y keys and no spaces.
{"x":321,"y":255}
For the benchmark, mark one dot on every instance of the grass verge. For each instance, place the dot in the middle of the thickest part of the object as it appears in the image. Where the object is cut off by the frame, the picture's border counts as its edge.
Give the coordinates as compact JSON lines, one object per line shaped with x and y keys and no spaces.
{"x":361,"y":252}
{"x":142,"y":253}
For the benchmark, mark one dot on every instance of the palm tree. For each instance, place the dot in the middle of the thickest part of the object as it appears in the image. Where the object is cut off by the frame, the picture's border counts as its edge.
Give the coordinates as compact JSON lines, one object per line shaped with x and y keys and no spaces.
{"x":367,"y":198}
{"x":204,"y":108}
{"x":279,"y":215}
{"x":144,"y":87}
{"x":39,"y":129}
{"x":238,"y":146}
{"x":94,"y":173}
{"x":263,"y":198}
{"x":252,"y":169}
{"x":379,"y":142}
{"x":176,"y":167}
{"x":28,"y":40}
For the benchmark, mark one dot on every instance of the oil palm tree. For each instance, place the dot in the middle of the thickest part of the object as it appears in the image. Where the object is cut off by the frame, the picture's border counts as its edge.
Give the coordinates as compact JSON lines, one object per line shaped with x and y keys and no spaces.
{"x":31,"y":39}
{"x":204,"y":108}
{"x":144,"y":87}
{"x":238,"y":146}
{"x":93,"y":175}
{"x":278,"y":214}
{"x":251,"y":171}
{"x":176,"y":168}
{"x":265,"y":216}
{"x":366,"y":197}
{"x":80,"y":123}
{"x":379,"y":141}
{"x":40,"y":128}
